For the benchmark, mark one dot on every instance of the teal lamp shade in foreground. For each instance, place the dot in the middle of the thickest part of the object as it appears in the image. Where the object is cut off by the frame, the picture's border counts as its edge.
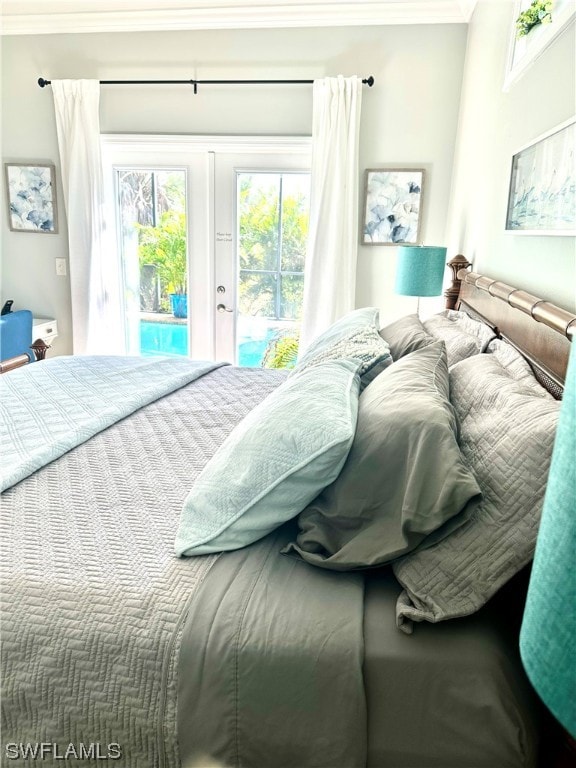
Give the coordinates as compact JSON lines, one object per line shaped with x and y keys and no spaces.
{"x":420,"y":270}
{"x":548,"y":634}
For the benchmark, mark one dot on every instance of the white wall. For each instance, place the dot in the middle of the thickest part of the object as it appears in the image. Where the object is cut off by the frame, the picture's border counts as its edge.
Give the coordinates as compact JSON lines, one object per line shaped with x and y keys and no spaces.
{"x":408,"y":119}
{"x":493,"y":126}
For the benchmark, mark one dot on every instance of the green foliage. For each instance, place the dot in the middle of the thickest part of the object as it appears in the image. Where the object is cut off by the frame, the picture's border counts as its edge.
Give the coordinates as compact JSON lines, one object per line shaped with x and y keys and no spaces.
{"x":537,"y":13}
{"x":272,"y":240}
{"x":282,"y":349}
{"x":294,"y":233}
{"x":257,"y":225}
{"x":165,"y":247}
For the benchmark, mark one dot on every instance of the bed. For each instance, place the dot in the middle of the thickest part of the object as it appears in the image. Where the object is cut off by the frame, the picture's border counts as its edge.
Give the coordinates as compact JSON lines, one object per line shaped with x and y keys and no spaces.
{"x":115,"y":648}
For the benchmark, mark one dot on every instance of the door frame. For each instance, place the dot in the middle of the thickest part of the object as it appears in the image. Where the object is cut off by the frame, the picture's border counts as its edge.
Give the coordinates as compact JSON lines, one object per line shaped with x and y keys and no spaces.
{"x":198,"y":155}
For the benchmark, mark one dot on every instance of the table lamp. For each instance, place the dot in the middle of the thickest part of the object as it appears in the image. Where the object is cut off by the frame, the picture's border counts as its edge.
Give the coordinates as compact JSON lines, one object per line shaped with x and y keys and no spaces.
{"x":547,"y":644}
{"x":420,"y":271}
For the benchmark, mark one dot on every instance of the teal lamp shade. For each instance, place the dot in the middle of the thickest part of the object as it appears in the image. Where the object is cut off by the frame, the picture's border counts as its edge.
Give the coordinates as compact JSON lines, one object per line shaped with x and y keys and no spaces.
{"x":548,"y":634}
{"x":420,"y":270}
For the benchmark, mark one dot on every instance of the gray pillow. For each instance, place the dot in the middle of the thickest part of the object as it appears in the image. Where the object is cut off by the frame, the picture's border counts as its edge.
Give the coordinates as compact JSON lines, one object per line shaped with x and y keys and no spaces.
{"x":506,"y":435}
{"x":516,"y":365}
{"x":405,"y":335}
{"x":354,"y":336}
{"x":462,"y":335}
{"x":405,"y":481}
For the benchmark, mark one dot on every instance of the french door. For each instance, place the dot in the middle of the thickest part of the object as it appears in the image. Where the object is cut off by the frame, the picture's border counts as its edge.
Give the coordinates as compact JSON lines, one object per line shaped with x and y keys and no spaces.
{"x":211,"y":237}
{"x":261,"y":227}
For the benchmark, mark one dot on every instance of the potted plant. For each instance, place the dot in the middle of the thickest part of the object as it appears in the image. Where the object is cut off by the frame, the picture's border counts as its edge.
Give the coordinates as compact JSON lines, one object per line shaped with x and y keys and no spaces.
{"x":165,"y":246}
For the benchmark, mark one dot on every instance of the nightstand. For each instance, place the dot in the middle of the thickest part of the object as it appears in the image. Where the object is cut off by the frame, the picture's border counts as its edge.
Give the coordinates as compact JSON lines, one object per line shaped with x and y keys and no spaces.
{"x":44,"y":331}
{"x":45,"y":328}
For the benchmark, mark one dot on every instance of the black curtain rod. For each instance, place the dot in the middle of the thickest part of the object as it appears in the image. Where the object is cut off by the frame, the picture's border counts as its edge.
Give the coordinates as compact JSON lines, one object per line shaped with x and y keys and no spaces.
{"x":195,"y":83}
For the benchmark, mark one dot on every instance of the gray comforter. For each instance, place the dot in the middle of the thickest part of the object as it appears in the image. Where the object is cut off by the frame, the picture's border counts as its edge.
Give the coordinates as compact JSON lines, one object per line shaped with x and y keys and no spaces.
{"x":112,"y":645}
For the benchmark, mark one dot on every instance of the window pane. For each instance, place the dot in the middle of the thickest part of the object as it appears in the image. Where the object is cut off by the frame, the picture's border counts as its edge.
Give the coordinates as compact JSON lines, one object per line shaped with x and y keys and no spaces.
{"x":258,"y":220}
{"x":273,"y":230}
{"x":267,"y":343}
{"x":136,"y":204}
{"x":257,"y":294}
{"x":295,"y":216}
{"x":153,"y":215}
{"x":292,"y":293}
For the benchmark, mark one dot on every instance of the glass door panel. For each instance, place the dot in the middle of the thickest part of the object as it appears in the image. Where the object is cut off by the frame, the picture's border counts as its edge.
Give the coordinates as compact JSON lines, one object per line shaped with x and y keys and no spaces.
{"x":272,"y":223}
{"x":153,"y":245}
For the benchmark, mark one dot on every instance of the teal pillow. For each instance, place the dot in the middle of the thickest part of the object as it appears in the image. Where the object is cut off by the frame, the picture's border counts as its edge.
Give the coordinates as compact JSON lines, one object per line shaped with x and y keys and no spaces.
{"x":354,"y":336}
{"x":274,"y":462}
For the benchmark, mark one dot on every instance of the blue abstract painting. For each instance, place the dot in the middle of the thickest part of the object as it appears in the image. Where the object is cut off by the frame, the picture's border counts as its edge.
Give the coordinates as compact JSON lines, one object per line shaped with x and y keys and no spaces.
{"x":31,"y":198}
{"x":392,"y":206}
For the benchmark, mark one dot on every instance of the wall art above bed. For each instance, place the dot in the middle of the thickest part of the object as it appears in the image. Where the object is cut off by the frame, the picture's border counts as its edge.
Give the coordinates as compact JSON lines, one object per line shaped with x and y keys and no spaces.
{"x":542,"y":196}
{"x":392,"y":206}
{"x":31,"y":190}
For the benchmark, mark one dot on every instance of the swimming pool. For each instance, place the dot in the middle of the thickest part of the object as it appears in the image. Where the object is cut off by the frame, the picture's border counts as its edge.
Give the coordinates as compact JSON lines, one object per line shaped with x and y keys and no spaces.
{"x":168,"y":339}
{"x":171,"y":339}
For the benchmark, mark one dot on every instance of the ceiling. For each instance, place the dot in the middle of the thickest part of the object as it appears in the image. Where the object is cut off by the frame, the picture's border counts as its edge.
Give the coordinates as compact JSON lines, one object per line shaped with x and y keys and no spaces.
{"x":36,"y":17}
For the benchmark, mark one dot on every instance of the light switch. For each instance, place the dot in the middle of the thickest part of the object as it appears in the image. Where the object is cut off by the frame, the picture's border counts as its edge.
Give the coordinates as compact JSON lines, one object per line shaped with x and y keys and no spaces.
{"x":61,"y":267}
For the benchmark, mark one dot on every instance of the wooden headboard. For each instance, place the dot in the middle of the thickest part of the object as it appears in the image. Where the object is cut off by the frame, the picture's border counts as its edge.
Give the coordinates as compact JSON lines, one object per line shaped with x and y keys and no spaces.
{"x":540,"y":330}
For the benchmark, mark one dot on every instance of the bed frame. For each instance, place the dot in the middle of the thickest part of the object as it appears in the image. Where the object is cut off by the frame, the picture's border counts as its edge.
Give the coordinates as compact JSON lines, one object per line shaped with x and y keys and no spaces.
{"x":39,"y":348}
{"x":541,"y":331}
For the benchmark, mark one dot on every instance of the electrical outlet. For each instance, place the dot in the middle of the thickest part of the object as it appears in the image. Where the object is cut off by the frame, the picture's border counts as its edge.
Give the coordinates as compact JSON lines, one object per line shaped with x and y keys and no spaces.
{"x":61,"y":267}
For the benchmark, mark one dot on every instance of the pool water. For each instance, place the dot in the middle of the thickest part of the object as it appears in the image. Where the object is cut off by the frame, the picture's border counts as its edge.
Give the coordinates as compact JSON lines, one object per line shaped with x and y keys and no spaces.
{"x":170,"y":339}
{"x":167,"y":339}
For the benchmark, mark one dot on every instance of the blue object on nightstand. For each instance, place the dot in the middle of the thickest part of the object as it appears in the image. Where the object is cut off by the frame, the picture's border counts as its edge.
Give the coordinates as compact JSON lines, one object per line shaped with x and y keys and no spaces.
{"x":16,"y":334}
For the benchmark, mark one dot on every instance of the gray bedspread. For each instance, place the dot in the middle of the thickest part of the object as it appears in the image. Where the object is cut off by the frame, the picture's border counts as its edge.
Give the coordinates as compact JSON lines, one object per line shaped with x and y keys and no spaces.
{"x":51,"y":407}
{"x":95,"y":607}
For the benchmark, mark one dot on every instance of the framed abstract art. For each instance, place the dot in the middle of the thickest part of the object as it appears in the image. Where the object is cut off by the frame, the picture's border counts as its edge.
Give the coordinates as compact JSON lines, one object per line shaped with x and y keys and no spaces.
{"x":31,"y":191}
{"x":392,"y":206}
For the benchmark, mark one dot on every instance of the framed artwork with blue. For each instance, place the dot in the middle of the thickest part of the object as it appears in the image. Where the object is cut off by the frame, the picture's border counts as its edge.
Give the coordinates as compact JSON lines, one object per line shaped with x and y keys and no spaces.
{"x":31,"y":191}
{"x":392,"y":206}
{"x":542,"y":195}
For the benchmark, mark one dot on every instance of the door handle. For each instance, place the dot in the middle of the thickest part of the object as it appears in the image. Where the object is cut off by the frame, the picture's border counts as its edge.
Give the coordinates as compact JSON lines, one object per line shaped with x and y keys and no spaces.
{"x":223,"y":308}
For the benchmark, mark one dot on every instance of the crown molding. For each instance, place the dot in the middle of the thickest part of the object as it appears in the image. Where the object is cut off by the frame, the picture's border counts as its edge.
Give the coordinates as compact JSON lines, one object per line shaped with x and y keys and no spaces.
{"x":77,"y":16}
{"x":467,"y":8}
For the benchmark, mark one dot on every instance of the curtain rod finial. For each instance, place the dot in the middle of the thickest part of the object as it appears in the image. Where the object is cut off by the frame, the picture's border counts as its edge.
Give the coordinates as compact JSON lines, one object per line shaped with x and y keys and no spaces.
{"x":42,"y":83}
{"x":369,"y":81}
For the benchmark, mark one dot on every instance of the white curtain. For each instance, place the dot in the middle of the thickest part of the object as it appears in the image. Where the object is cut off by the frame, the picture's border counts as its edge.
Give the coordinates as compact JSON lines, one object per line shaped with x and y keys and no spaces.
{"x":94,"y":270}
{"x":330,"y":272}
